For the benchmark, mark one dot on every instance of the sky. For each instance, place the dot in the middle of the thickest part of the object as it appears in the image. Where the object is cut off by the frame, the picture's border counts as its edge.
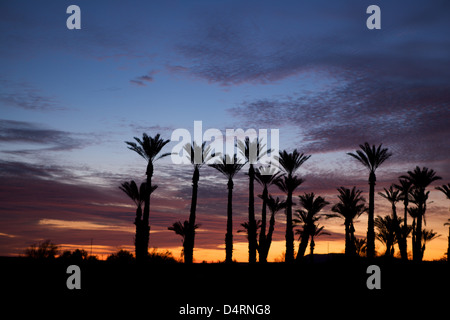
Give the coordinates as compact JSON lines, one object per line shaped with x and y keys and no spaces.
{"x":69,"y":99}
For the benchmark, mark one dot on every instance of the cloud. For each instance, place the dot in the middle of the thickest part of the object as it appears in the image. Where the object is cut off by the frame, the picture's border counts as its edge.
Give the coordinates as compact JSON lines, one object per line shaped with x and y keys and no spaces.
{"x":32,"y":135}
{"x":142,"y":81}
{"x":25,"y":96}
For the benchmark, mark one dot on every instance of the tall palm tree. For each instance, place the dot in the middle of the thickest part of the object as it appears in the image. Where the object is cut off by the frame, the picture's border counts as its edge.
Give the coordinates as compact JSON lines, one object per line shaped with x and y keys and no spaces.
{"x":311,"y":205}
{"x":371,"y":158}
{"x":393,"y":196}
{"x":420,"y":179}
{"x":290,"y":162}
{"x":198,"y":156}
{"x":350,"y":206}
{"x":265,"y":177}
{"x":228,"y":167}
{"x":404,"y":187}
{"x":274,"y":206}
{"x":148,"y":148}
{"x":252,"y":151}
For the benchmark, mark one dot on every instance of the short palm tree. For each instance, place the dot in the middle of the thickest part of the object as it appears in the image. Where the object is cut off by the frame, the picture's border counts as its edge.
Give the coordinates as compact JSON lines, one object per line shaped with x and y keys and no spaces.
{"x":427,"y":236}
{"x":316,"y":231}
{"x":183,"y":229}
{"x":274,"y":205}
{"x":252,"y":152}
{"x":361,"y":246}
{"x":404,"y":187}
{"x":265,"y":177}
{"x":446,"y":190}
{"x":150,"y":149}
{"x":138,"y":196}
{"x":386,"y":233}
{"x":308,"y":215}
{"x":371,"y":158}
{"x":420,"y":179}
{"x":350,"y":206}
{"x":290,"y":162}
{"x":228,"y":167}
{"x":393,"y":196}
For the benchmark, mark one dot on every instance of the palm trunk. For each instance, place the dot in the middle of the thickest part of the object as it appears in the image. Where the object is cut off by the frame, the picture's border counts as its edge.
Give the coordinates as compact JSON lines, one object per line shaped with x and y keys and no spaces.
{"x":262,"y":248}
{"x":289,"y":232}
{"x":303,"y":244}
{"x":270,"y":233}
{"x":401,"y":240}
{"x":312,"y":245}
{"x":370,"y":223}
{"x":229,"y":234}
{"x":138,"y":236}
{"x":405,"y":226}
{"x":146,"y":215}
{"x":252,"y":242}
{"x":417,"y":255}
{"x":190,"y":235}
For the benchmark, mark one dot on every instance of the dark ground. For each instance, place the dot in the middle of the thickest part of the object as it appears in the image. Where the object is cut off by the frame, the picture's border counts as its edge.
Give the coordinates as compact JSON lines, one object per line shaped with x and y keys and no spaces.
{"x":332,"y":286}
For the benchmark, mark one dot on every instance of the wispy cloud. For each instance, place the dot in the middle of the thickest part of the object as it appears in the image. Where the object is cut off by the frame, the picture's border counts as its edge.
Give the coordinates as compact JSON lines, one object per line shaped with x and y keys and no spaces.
{"x":144,"y":80}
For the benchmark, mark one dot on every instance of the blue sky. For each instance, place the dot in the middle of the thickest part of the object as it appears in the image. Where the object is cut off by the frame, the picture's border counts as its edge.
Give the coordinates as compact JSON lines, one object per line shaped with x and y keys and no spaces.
{"x":70,"y":98}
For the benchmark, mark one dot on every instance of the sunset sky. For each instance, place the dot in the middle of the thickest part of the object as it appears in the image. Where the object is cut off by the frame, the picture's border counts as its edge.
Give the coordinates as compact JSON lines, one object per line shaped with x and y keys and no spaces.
{"x":70,"y":98}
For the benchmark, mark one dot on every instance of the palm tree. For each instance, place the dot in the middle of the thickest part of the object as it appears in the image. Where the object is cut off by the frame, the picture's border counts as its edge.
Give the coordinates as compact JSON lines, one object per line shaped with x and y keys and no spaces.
{"x":316,"y":231}
{"x":183,"y":229}
{"x":138,"y":196}
{"x":361,"y":246}
{"x":252,"y":151}
{"x":198,"y":156}
{"x":428,"y":235}
{"x":446,"y":190}
{"x":308,"y":216}
{"x":274,"y":206}
{"x":265,"y":177}
{"x":148,"y":148}
{"x":350,"y":206}
{"x":448,"y":247}
{"x":393,"y":196}
{"x":404,"y":187}
{"x":371,"y":158}
{"x":290,"y":162}
{"x":420,"y":179}
{"x":386,"y":233}
{"x":228,"y":167}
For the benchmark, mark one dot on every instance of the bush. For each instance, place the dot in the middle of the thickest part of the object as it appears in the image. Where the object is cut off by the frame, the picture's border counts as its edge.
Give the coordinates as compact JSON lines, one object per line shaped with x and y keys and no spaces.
{"x":42,"y":250}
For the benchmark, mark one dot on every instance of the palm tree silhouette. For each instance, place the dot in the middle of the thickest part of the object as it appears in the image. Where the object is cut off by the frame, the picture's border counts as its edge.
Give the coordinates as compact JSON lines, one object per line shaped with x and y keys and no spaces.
{"x":183,"y":229}
{"x":229,"y":167}
{"x":427,"y":236}
{"x":290,"y":162}
{"x":393,"y":196}
{"x":420,"y":179}
{"x":446,"y":190}
{"x":252,"y":151}
{"x":148,"y":148}
{"x":350,"y":206}
{"x":316,"y":231}
{"x":386,"y":233}
{"x":198,"y":156}
{"x":311,"y":205}
{"x":361,"y":246}
{"x":274,"y":206}
{"x":138,"y":196}
{"x":265,"y":176}
{"x":404,"y":187}
{"x":371,"y":158}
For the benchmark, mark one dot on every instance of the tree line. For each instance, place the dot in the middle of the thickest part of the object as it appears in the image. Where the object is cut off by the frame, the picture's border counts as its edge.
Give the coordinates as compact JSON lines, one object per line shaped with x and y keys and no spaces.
{"x":411,"y":189}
